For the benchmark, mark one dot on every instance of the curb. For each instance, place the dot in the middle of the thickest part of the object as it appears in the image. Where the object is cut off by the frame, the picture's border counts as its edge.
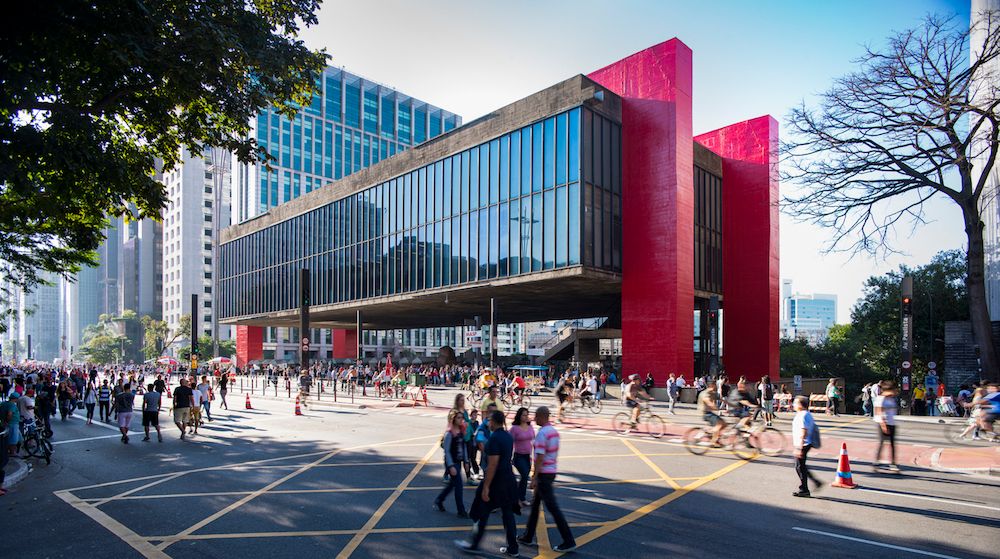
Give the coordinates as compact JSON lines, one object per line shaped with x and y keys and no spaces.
{"x":22,"y":471}
{"x":936,"y":465}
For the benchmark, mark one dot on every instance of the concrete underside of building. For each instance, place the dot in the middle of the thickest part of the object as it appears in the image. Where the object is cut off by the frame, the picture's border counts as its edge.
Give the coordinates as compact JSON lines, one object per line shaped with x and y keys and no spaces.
{"x":695,"y":218}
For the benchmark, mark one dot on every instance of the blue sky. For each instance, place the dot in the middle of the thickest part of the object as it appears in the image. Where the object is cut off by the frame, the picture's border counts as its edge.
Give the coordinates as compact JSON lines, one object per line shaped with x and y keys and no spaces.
{"x":750,"y":58}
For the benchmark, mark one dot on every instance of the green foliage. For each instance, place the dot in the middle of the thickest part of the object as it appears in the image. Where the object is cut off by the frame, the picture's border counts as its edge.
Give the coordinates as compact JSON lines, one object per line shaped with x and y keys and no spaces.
{"x":868,"y":348}
{"x":227,"y":348}
{"x":96,"y":95}
{"x":157,"y":335}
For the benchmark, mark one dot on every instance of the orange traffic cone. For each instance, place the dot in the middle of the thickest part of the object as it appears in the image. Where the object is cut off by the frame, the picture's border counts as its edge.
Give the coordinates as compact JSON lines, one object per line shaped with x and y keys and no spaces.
{"x":248,"y":403}
{"x":298,"y":407}
{"x":843,"y":478}
{"x":423,"y":392}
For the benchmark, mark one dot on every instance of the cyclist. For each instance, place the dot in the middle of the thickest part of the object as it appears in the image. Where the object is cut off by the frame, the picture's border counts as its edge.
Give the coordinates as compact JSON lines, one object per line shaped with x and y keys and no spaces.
{"x":633,"y":393}
{"x":710,"y":412}
{"x":487,"y":380}
{"x":991,"y":408}
{"x":519,"y":386}
{"x":740,"y":403}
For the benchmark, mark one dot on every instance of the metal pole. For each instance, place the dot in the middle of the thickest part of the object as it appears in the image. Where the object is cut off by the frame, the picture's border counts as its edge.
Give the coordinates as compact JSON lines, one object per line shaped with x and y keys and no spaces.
{"x":304,"y":301}
{"x":194,"y":332}
{"x":493,"y":331}
{"x":906,"y":338}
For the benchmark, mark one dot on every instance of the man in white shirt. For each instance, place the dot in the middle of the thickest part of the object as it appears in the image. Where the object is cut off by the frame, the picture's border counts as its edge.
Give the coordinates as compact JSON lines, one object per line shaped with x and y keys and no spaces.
{"x":592,"y":387}
{"x":803,"y":425}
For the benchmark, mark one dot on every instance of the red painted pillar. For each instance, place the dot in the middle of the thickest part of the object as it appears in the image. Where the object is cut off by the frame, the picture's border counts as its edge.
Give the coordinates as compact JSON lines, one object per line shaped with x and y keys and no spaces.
{"x":249,"y":344}
{"x":657,"y":208}
{"x":345,"y":343}
{"x":750,"y":275}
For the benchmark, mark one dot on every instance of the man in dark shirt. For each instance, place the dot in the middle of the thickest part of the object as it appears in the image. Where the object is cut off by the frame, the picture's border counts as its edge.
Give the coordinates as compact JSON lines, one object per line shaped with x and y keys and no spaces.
{"x":159,"y":385}
{"x":498,"y":490}
{"x":183,"y":400}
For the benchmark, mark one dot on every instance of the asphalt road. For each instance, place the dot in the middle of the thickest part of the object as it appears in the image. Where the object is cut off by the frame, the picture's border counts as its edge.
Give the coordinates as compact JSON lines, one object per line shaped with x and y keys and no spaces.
{"x":345,"y":482}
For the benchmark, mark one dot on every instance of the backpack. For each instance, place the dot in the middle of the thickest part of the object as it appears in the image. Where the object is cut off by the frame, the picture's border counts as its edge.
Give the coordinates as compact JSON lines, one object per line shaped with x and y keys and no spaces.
{"x":814,"y":436}
{"x":767,"y":392}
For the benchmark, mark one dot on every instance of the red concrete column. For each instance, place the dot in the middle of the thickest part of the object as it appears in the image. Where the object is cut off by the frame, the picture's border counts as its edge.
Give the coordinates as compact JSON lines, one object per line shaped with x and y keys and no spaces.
{"x":345,"y":343}
{"x":249,"y":344}
{"x":657,"y":208}
{"x":750,"y":276}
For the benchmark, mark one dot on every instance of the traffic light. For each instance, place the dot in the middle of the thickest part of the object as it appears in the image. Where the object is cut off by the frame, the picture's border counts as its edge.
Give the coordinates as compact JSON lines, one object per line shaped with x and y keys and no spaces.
{"x":907,"y":306}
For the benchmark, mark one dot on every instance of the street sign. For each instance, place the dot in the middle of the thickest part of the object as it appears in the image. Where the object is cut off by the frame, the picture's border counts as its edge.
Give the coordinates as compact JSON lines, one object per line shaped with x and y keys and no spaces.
{"x":305,"y":344}
{"x":906,"y":364}
{"x":797,"y":383}
{"x":474,"y":339}
{"x":194,"y":362}
{"x":932,"y":365}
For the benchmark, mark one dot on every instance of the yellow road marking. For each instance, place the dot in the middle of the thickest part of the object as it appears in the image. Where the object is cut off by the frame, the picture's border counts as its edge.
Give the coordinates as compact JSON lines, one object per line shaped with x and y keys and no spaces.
{"x":137,"y":489}
{"x":377,"y":516}
{"x":652,"y":466}
{"x":320,"y":533}
{"x":542,"y":531}
{"x":117,"y":528}
{"x":645,"y":510}
{"x":265,"y":489}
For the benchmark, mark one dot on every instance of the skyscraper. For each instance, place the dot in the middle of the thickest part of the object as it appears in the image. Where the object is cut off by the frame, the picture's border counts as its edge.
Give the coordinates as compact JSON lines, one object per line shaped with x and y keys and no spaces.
{"x":984,"y":88}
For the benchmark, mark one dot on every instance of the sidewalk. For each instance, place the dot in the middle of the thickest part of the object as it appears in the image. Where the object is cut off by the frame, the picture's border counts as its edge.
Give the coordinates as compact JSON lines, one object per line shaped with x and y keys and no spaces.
{"x":15,"y":470}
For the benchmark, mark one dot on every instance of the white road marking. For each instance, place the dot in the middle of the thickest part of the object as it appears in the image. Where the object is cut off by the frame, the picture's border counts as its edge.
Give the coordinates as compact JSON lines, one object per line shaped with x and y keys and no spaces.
{"x":935,"y":499}
{"x":870,"y":542}
{"x":92,"y":438}
{"x":600,"y":432}
{"x":99,"y":423}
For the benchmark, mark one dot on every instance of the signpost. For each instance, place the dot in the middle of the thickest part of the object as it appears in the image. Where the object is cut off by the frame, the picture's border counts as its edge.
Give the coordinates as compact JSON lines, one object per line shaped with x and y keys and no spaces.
{"x":304,"y":318}
{"x":906,"y":337}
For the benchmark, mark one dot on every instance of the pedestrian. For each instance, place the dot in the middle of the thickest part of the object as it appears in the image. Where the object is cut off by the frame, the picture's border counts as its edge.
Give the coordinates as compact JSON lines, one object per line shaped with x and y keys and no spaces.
{"x":866,"y":399}
{"x":104,"y":401}
{"x":803,"y":437}
{"x":524,"y":435}
{"x":195,"y":413}
{"x":472,"y":447}
{"x":183,"y":402}
{"x":918,"y":401}
{"x":766,"y":392}
{"x":151,"y":412}
{"x":90,"y":401}
{"x":10,"y":418}
{"x":497,"y":491}
{"x":483,"y":436}
{"x":224,"y":388}
{"x":454,"y":456}
{"x":65,"y":394}
{"x":546,"y":447}
{"x":832,"y":398}
{"x":206,"y":396}
{"x":672,"y":393}
{"x":885,"y":417}
{"x":124,"y":402}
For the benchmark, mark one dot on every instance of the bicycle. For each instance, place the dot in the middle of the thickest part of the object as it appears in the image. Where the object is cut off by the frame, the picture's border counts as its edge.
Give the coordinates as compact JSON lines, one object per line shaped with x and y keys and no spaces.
{"x":698,"y":441}
{"x":512,"y":400}
{"x":654,"y":425}
{"x":593,"y":404}
{"x":34,"y":442}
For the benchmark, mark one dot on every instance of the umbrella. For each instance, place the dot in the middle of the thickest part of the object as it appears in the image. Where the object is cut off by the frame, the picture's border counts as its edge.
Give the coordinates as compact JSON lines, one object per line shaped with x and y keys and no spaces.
{"x":220,"y":360}
{"x":166,"y":361}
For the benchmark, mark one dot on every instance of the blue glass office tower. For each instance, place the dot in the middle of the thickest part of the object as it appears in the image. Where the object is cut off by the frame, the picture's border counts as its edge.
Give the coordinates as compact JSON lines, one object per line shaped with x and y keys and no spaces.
{"x":350,"y":124}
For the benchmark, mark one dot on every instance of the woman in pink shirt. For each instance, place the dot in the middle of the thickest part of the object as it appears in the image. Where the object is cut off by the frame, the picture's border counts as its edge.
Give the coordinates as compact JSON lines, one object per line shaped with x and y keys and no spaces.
{"x":523,"y":434}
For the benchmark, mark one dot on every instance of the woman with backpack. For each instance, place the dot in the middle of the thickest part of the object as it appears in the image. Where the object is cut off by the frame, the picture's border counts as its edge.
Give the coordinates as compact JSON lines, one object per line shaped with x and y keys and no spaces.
{"x":832,"y":398}
{"x":805,"y":437}
{"x":454,"y":455}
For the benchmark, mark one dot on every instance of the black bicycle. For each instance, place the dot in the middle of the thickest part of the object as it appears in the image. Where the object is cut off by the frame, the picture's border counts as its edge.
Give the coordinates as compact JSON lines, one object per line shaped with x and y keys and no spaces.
{"x":35,"y":444}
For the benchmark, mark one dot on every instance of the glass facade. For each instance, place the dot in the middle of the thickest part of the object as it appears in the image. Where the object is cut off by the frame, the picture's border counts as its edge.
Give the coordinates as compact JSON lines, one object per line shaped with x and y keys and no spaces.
{"x":350,"y":124}
{"x":545,"y":196}
{"x":707,"y":231}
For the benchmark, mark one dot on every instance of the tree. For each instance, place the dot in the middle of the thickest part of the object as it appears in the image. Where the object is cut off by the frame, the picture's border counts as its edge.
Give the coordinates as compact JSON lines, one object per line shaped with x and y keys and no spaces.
{"x":939,"y":296}
{"x":96,"y":93}
{"x":227,"y":348}
{"x":157,"y":334}
{"x":104,"y":342}
{"x":897,"y":132}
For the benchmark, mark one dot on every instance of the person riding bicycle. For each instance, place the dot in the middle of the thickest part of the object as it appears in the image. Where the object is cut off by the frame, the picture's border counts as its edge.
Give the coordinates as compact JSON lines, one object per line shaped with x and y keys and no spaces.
{"x":487,"y":380}
{"x":710,"y":411}
{"x":633,"y":393}
{"x":991,"y":407}
{"x":520,"y":386}
{"x":740,"y":404}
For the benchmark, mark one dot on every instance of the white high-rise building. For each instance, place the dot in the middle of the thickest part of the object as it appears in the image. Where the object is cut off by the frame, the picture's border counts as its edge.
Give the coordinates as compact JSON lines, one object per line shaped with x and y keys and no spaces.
{"x":982,"y":90}
{"x":806,"y":316}
{"x":198,"y":206}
